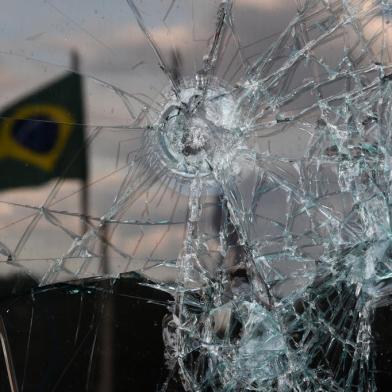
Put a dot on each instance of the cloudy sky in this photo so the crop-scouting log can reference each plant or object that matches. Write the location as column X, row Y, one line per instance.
column 36, row 39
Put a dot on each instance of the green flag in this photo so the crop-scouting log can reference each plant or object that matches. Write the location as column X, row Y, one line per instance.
column 42, row 135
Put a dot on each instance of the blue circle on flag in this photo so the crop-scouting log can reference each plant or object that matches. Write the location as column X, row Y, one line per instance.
column 38, row 133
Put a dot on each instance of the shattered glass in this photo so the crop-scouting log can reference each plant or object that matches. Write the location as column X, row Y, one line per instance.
column 247, row 175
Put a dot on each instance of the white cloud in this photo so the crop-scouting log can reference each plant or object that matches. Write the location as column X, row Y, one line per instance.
column 266, row 5
column 132, row 36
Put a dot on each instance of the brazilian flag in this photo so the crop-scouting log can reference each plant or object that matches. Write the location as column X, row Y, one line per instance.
column 42, row 135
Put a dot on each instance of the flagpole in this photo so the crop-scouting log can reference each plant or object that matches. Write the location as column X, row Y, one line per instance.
column 106, row 376
column 84, row 195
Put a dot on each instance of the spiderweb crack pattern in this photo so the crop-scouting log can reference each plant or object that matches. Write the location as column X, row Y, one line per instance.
column 285, row 256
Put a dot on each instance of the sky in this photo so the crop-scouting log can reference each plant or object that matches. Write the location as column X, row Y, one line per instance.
column 36, row 38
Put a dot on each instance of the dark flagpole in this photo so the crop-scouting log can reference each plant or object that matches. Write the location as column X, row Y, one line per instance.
column 84, row 195
column 107, row 319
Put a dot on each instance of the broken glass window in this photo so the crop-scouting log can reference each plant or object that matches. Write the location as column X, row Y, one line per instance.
column 247, row 174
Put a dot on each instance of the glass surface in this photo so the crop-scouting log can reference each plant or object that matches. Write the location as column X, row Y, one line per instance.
column 235, row 155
